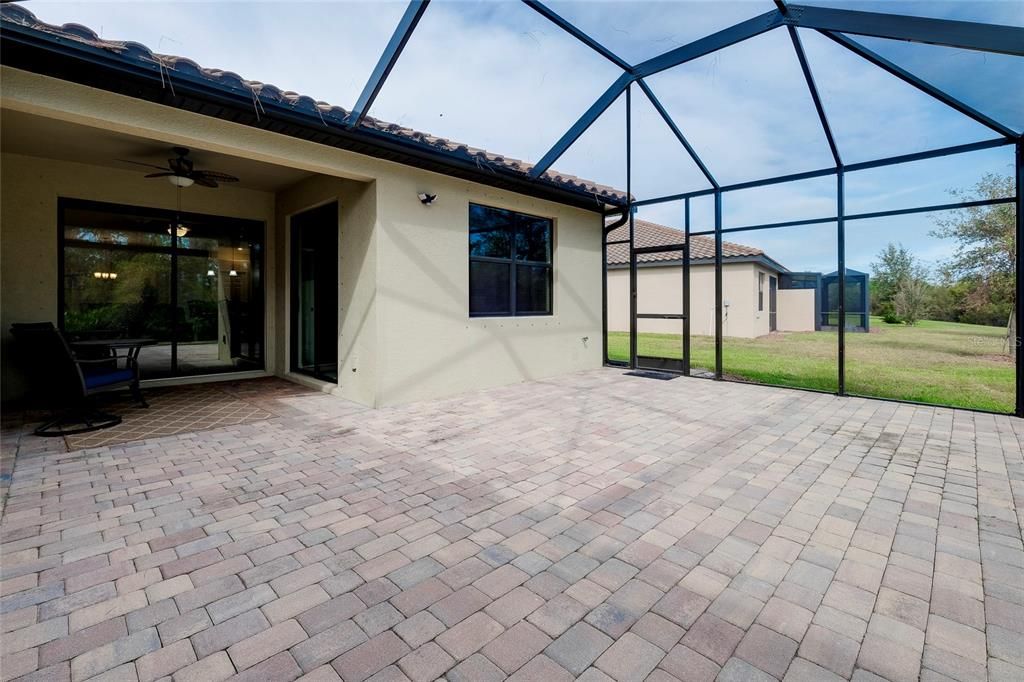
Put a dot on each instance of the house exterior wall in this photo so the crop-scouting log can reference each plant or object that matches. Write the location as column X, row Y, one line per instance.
column 796, row 310
column 30, row 187
column 406, row 330
column 428, row 343
column 659, row 290
column 357, row 279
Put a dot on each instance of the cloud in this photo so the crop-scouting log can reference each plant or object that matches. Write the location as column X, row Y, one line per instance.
column 497, row 75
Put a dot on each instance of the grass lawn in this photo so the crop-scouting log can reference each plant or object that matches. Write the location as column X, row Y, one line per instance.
column 945, row 363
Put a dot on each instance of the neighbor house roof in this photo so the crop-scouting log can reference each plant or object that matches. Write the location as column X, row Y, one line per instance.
column 81, row 44
column 702, row 248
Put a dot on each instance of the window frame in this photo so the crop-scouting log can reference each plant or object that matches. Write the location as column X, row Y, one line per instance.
column 760, row 291
column 513, row 262
column 256, row 229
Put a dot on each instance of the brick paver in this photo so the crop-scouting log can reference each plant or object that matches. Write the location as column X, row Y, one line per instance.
column 593, row 526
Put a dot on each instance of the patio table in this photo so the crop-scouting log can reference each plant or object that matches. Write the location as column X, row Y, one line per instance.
column 133, row 345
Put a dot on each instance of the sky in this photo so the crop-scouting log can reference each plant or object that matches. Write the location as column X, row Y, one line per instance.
column 496, row 75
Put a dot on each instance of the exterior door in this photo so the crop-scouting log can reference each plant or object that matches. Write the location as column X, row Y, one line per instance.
column 659, row 325
column 773, row 304
column 314, row 293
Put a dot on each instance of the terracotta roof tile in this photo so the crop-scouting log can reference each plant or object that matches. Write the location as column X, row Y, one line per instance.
column 325, row 113
column 651, row 234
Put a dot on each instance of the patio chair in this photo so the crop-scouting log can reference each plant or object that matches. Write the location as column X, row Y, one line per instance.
column 70, row 383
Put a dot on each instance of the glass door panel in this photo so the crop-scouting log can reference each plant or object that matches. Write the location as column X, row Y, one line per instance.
column 191, row 282
column 315, row 293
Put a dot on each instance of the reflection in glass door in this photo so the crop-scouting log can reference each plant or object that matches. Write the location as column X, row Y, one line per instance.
column 314, row 323
column 191, row 282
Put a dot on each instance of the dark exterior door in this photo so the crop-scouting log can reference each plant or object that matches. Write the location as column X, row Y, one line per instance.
column 773, row 304
column 314, row 293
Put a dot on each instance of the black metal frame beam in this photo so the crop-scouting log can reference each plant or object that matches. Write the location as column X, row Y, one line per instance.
column 719, row 309
column 678, row 133
column 825, row 172
column 578, row 34
column 932, row 208
column 967, row 35
column 919, row 83
column 388, row 59
column 830, row 22
column 1018, row 287
column 680, row 55
column 812, row 88
column 841, row 270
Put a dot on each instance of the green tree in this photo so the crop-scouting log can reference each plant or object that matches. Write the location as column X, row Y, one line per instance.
column 986, row 250
column 894, row 266
column 911, row 299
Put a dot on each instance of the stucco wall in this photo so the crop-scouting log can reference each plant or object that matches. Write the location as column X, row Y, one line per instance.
column 796, row 310
column 424, row 344
column 357, row 278
column 30, row 186
column 659, row 290
column 428, row 343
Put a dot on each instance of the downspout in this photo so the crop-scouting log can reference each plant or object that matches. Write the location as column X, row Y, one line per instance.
column 608, row 229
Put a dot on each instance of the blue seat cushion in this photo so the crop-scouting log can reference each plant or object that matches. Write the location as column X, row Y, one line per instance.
column 107, row 378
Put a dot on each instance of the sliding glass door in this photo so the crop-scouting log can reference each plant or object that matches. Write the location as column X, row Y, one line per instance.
column 314, row 286
column 191, row 282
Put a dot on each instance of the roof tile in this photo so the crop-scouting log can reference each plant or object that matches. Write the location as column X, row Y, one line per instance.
column 325, row 113
column 646, row 233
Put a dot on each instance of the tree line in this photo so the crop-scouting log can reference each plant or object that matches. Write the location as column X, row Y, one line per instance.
column 975, row 285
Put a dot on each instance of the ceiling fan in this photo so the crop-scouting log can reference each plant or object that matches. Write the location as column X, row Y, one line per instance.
column 181, row 172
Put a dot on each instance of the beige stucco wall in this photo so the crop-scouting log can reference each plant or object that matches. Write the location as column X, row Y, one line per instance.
column 29, row 188
column 428, row 343
column 411, row 334
column 357, row 278
column 796, row 310
column 659, row 290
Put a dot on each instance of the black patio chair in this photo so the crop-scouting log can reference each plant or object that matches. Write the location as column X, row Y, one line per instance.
column 69, row 383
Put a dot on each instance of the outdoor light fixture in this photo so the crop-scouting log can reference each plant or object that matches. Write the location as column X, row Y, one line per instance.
column 426, row 199
column 181, row 231
column 180, row 181
column 105, row 275
column 233, row 273
column 211, row 272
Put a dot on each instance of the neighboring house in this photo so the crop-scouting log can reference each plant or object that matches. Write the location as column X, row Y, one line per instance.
column 759, row 295
column 323, row 264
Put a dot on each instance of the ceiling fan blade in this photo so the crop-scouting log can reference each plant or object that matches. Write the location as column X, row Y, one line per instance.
column 160, row 175
column 217, row 175
column 139, row 163
column 202, row 180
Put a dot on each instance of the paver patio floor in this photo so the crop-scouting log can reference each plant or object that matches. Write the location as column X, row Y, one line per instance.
column 594, row 525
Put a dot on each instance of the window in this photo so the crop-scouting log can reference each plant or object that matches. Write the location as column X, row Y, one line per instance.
column 760, row 292
column 191, row 282
column 509, row 263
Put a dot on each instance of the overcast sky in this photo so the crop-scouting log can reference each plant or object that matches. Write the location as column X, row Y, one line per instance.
column 497, row 75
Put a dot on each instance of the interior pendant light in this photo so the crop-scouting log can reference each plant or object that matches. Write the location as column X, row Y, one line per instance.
column 177, row 229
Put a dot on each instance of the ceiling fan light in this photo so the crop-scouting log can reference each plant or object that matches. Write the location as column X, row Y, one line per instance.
column 180, row 181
